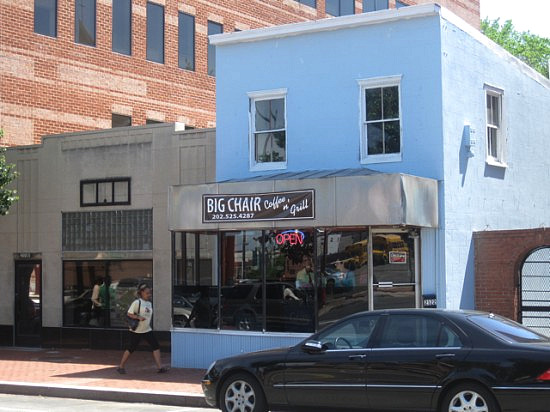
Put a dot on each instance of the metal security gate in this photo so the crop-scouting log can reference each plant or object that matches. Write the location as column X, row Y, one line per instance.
column 535, row 291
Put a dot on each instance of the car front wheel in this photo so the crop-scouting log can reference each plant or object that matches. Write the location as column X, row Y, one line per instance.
column 469, row 397
column 242, row 393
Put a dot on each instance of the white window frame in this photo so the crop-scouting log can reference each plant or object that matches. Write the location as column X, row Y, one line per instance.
column 364, row 84
column 499, row 160
column 253, row 97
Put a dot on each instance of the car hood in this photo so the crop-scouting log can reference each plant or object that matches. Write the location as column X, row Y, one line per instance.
column 254, row 359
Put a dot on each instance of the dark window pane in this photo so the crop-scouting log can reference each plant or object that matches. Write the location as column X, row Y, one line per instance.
column 186, row 41
column 392, row 141
column 391, row 102
column 213, row 28
column 374, row 104
column 270, row 114
column 119, row 120
column 151, row 121
column 332, row 7
column 122, row 26
column 374, row 138
column 340, row 7
column 85, row 24
column 507, row 329
column 373, row 5
column 405, row 331
column 399, row 4
column 310, row 3
column 270, row 147
column 45, row 17
column 155, row 33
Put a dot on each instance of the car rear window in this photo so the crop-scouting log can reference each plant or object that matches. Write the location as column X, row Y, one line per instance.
column 507, row 329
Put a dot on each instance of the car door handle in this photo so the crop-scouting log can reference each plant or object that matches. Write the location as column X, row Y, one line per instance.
column 352, row 357
column 444, row 355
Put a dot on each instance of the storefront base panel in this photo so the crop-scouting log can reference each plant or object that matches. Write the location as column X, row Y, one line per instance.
column 198, row 349
column 6, row 335
column 95, row 339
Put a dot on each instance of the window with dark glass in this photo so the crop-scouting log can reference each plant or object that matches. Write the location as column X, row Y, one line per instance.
column 340, row 7
column 120, row 120
column 45, row 17
column 399, row 4
column 186, row 41
column 195, row 289
column 122, row 26
column 382, row 122
column 155, row 33
column 310, row 3
column 85, row 22
column 152, row 121
column 105, row 192
column 353, row 334
column 406, row 331
column 269, row 129
column 213, row 28
column 373, row 5
column 112, row 284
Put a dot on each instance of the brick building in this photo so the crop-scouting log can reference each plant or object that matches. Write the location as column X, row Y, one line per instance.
column 74, row 65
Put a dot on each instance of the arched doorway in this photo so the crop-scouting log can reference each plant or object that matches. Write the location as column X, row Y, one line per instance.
column 535, row 290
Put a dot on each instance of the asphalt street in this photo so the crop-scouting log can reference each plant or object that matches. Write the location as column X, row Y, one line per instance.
column 19, row 403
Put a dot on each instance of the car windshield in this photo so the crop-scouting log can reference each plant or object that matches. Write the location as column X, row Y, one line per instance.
column 507, row 329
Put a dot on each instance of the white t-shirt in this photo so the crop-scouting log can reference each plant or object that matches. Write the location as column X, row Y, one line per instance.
column 145, row 311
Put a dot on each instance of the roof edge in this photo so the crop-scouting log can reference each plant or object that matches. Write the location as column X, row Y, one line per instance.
column 326, row 24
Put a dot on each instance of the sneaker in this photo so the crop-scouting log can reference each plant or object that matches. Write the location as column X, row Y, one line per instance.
column 122, row 371
column 162, row 370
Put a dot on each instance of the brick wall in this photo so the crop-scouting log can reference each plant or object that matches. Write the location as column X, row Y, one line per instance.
column 498, row 259
column 54, row 85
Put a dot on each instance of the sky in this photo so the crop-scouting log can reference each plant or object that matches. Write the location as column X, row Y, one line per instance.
column 532, row 15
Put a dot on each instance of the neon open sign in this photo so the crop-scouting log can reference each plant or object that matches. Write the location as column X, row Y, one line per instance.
column 292, row 237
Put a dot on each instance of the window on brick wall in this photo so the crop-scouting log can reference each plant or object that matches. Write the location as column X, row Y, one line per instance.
column 340, row 7
column 310, row 3
column 186, row 41
column 213, row 28
column 122, row 26
column 399, row 4
column 373, row 5
column 45, row 17
column 152, row 121
column 380, row 119
column 155, row 33
column 120, row 120
column 85, row 22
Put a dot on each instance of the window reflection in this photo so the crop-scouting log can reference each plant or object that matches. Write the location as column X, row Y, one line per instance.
column 343, row 268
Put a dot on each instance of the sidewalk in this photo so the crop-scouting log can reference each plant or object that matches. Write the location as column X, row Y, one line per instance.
column 91, row 374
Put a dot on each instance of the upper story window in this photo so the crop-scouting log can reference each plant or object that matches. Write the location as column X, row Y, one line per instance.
column 104, row 192
column 120, row 120
column 186, row 41
column 399, row 4
column 373, row 5
column 380, row 119
column 213, row 28
column 85, row 22
column 495, row 135
column 45, row 17
column 310, row 3
column 340, row 7
column 268, row 130
column 155, row 32
column 122, row 26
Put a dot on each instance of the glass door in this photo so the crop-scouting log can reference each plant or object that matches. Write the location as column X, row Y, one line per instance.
column 28, row 303
column 395, row 281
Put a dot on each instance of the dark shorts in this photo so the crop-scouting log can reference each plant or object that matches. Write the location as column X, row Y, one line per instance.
column 135, row 338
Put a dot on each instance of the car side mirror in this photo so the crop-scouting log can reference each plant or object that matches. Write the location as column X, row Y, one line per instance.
column 313, row 346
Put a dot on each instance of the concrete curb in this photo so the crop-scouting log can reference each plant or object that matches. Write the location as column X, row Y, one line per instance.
column 104, row 394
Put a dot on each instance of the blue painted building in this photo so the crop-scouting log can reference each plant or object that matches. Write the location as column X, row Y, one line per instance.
column 395, row 134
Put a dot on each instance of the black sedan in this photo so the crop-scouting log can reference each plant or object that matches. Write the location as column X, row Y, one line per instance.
column 409, row 360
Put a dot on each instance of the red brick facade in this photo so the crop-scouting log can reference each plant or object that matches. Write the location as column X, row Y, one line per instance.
column 498, row 259
column 51, row 85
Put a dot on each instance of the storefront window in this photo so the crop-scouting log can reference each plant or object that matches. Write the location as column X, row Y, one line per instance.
column 394, row 284
column 116, row 282
column 195, row 295
column 343, row 268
